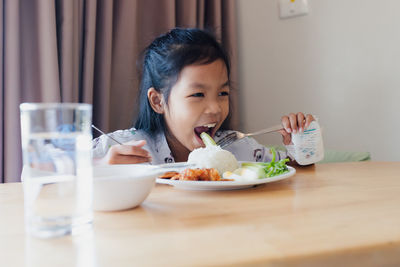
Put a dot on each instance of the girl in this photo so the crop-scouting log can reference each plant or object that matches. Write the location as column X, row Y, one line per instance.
column 184, row 91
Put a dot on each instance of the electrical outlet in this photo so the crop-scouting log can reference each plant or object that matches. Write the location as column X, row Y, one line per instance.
column 292, row 8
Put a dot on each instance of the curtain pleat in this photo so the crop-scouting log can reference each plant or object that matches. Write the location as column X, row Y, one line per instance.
column 88, row 51
column 229, row 41
column 45, row 61
column 103, row 64
column 186, row 14
column 123, row 89
column 11, row 90
column 1, row 95
column 69, row 48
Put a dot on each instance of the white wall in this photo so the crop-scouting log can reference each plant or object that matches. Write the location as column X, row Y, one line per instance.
column 340, row 62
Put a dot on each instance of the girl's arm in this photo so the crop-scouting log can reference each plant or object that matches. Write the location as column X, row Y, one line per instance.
column 129, row 153
column 107, row 151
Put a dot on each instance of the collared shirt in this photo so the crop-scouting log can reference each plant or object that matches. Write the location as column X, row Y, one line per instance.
column 246, row 149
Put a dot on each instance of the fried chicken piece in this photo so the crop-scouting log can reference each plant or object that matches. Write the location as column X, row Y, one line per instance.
column 176, row 177
column 199, row 175
column 213, row 174
column 168, row 175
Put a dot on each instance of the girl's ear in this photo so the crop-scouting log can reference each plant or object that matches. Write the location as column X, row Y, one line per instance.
column 156, row 100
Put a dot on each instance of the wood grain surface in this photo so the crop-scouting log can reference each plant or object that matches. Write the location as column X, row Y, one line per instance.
column 341, row 214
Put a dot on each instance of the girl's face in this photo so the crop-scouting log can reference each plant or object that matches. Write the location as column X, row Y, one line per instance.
column 198, row 102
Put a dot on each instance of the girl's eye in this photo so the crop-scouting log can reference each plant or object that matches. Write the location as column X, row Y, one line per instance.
column 224, row 93
column 198, row 95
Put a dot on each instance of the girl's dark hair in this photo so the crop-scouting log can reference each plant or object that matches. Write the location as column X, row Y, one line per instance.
column 164, row 59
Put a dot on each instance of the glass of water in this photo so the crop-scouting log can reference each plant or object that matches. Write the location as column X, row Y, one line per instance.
column 57, row 168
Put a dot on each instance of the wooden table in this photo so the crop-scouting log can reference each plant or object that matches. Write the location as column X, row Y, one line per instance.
column 345, row 214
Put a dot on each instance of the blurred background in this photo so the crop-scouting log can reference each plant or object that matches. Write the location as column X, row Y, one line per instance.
column 339, row 60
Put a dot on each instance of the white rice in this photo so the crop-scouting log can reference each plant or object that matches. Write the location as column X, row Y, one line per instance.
column 213, row 157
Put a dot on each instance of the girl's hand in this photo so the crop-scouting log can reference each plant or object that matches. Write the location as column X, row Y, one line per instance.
column 128, row 153
column 294, row 123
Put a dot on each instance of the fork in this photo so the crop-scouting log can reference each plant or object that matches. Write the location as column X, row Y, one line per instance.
column 235, row 136
column 109, row 136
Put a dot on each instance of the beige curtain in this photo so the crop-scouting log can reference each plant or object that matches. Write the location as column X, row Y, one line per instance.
column 86, row 51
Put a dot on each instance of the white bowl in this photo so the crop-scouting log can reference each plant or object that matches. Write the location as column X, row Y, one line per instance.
column 120, row 187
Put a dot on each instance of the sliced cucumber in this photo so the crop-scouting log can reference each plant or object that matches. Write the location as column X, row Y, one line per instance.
column 207, row 139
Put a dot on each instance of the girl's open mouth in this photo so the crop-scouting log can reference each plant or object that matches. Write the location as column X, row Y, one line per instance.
column 208, row 128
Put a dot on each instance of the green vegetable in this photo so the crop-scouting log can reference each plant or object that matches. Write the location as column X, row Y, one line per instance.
column 259, row 170
column 207, row 139
column 270, row 169
column 263, row 169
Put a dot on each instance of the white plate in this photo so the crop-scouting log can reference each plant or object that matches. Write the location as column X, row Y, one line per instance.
column 224, row 185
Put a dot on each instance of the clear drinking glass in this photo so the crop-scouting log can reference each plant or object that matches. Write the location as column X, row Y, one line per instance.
column 57, row 168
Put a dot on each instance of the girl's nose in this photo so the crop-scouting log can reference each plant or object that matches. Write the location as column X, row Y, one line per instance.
column 213, row 107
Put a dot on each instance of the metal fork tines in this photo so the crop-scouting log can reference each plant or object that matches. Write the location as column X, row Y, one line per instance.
column 235, row 136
